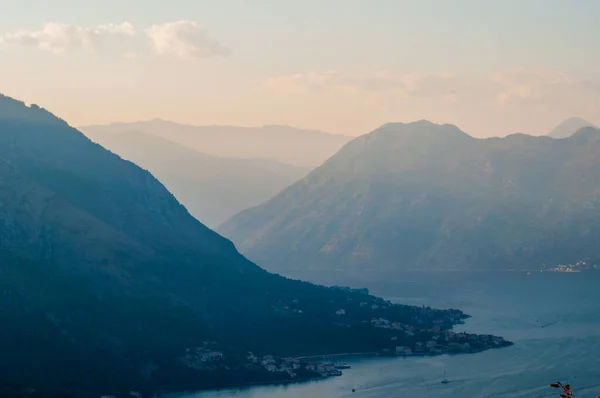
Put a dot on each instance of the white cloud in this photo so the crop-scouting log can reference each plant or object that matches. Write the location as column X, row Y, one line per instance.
column 184, row 39
column 59, row 38
column 530, row 86
column 398, row 85
column 501, row 89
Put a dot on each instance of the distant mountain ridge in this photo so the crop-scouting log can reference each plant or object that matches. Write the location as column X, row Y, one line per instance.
column 423, row 196
column 569, row 127
column 289, row 145
column 212, row 188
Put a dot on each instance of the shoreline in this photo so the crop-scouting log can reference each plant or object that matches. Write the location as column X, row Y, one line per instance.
column 174, row 390
column 455, row 344
column 342, row 355
column 164, row 392
column 434, row 338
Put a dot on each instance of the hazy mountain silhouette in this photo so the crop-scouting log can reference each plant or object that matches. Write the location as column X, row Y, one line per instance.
column 422, row 195
column 569, row 127
column 212, row 188
column 106, row 280
column 306, row 148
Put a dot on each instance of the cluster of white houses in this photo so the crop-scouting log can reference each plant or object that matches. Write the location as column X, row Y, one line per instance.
column 292, row 366
column 200, row 356
column 271, row 363
column 449, row 341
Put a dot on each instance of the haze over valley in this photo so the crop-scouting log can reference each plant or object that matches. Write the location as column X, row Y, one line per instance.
column 212, row 188
column 284, row 144
column 225, row 199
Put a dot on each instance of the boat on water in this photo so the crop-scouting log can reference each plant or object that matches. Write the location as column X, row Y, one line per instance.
column 445, row 380
column 341, row 365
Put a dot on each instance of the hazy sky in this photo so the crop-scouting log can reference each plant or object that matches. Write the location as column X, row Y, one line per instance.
column 344, row 66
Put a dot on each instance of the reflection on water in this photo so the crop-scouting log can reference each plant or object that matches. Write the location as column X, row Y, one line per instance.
column 554, row 319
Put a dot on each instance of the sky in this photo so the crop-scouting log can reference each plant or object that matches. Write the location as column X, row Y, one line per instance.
column 343, row 66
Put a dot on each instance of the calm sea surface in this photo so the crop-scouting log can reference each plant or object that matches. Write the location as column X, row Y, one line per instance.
column 553, row 318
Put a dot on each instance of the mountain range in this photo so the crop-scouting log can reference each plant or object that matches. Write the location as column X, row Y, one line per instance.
column 569, row 127
column 284, row 144
column 427, row 196
column 212, row 188
column 107, row 283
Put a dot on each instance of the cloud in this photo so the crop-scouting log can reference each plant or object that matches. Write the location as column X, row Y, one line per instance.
column 60, row 38
column 502, row 89
column 399, row 86
column 184, row 39
column 518, row 87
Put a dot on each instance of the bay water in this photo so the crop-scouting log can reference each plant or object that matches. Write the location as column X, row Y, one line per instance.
column 553, row 319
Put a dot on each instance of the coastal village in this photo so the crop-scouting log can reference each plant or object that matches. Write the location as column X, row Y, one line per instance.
column 580, row 266
column 389, row 329
column 429, row 334
column 438, row 343
column 290, row 369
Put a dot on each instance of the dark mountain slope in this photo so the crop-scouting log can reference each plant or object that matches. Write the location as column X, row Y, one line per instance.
column 421, row 195
column 106, row 280
column 212, row 188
